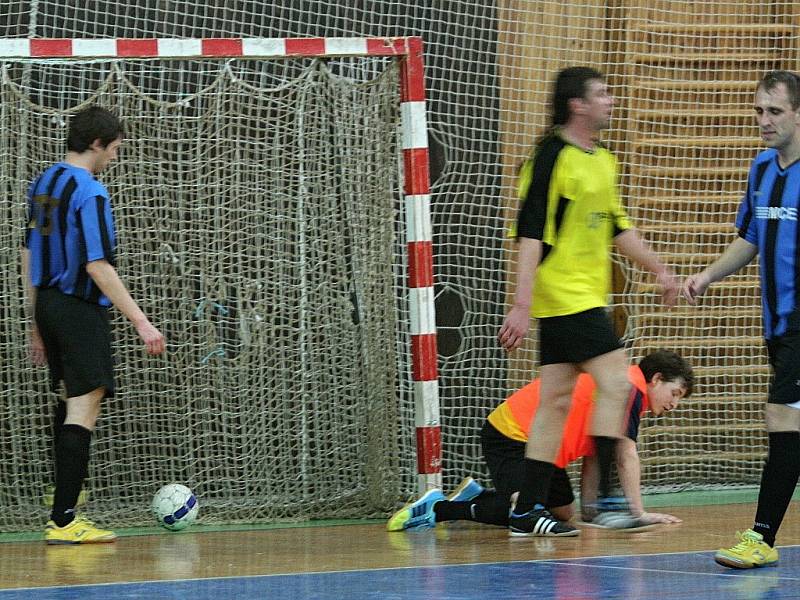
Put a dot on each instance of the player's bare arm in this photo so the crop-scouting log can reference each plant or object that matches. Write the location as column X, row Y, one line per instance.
column 630, row 475
column 106, row 278
column 35, row 343
column 632, row 246
column 738, row 254
column 517, row 322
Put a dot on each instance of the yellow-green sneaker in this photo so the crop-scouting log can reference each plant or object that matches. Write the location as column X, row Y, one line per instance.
column 751, row 551
column 50, row 493
column 417, row 514
column 80, row 531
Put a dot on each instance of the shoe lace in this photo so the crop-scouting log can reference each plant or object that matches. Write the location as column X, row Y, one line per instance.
column 84, row 521
column 746, row 541
column 547, row 515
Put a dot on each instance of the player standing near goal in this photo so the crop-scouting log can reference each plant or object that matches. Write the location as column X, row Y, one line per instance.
column 656, row 384
column 570, row 216
column 767, row 224
column 68, row 264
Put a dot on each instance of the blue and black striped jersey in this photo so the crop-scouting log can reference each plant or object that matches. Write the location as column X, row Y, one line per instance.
column 69, row 225
column 767, row 218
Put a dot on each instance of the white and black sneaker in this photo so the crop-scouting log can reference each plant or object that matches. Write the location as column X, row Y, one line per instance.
column 539, row 523
column 613, row 513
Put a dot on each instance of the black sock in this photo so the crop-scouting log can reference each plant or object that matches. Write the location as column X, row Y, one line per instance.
column 535, row 485
column 487, row 508
column 491, row 509
column 72, row 461
column 604, row 449
column 59, row 415
column 778, row 480
column 453, row 511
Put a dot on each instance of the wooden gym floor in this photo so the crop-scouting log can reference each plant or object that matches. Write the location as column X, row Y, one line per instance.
column 364, row 561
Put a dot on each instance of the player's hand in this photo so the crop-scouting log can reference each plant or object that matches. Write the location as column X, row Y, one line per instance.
column 670, row 287
column 515, row 328
column 36, row 348
column 659, row 518
column 694, row 287
column 152, row 338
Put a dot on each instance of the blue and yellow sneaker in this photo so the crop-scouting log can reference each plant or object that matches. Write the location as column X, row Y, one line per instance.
column 418, row 514
column 467, row 490
column 80, row 531
column 751, row 551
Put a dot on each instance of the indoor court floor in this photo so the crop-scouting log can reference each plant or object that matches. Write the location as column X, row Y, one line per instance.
column 459, row 561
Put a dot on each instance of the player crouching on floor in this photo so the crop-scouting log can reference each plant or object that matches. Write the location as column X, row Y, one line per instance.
column 658, row 383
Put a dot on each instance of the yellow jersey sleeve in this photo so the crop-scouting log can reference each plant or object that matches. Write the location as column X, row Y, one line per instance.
column 619, row 216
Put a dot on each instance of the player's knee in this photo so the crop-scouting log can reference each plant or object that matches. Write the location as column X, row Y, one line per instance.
column 614, row 387
column 562, row 403
column 563, row 513
column 84, row 410
column 782, row 417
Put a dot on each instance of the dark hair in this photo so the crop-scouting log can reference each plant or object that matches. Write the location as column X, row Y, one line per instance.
column 670, row 365
column 90, row 124
column 570, row 83
column 787, row 78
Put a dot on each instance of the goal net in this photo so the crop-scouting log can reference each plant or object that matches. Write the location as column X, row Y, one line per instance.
column 683, row 74
column 260, row 220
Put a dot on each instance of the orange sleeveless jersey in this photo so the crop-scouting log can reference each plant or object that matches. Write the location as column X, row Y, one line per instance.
column 514, row 416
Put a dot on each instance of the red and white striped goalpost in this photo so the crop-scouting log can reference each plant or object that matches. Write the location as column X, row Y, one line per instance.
column 416, row 185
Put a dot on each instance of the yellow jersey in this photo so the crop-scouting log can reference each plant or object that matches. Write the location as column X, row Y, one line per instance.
column 570, row 202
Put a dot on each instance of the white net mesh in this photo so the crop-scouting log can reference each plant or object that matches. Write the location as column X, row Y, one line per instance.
column 259, row 216
column 684, row 75
column 689, row 74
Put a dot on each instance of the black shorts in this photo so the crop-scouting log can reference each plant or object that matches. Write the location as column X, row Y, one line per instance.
column 506, row 461
column 77, row 340
column 576, row 338
column 784, row 356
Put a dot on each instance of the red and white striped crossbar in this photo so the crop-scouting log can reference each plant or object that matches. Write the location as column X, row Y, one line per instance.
column 416, row 186
column 208, row 47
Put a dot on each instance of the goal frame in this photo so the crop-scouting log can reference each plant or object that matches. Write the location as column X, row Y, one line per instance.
column 415, row 163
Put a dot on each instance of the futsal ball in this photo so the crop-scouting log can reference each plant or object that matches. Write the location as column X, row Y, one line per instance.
column 175, row 507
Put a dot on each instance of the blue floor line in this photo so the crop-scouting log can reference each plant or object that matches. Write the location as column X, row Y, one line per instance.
column 671, row 576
